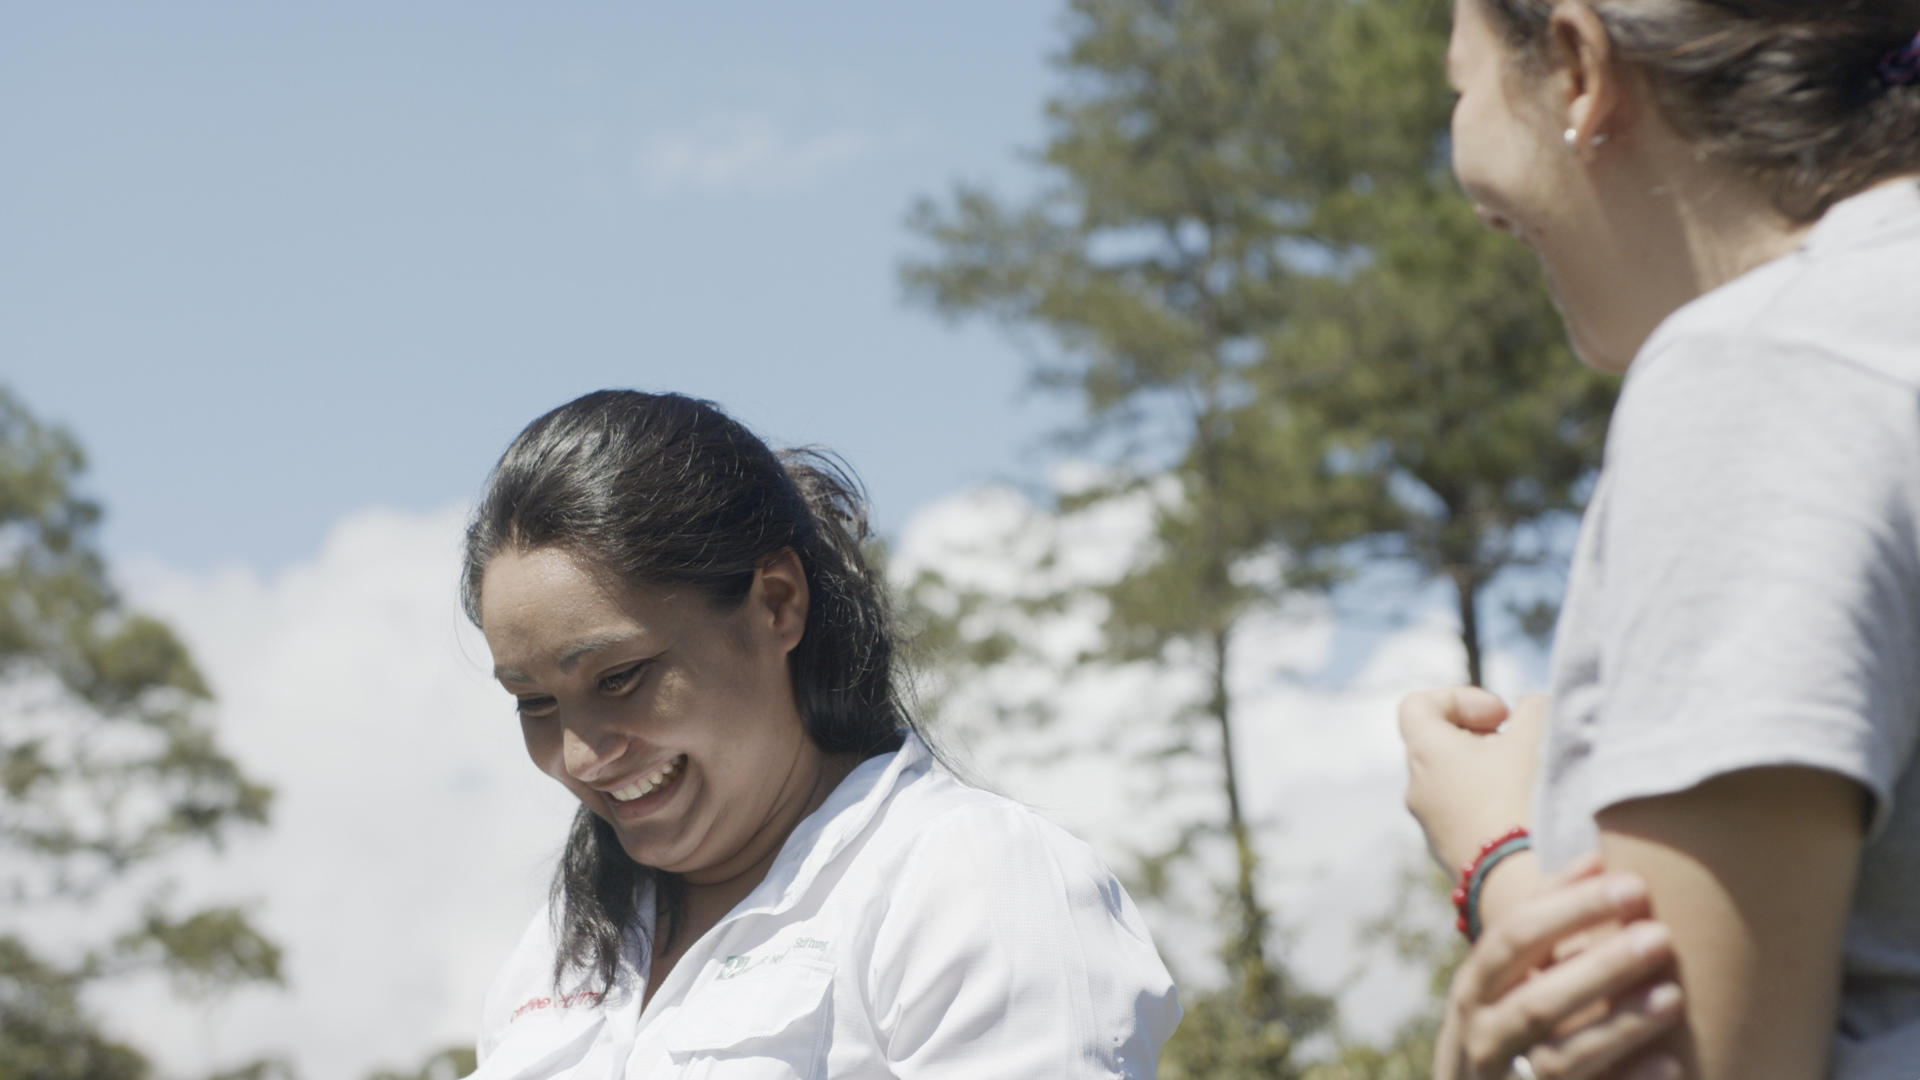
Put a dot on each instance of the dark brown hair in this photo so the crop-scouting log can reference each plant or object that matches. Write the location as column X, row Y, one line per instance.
column 668, row 490
column 1789, row 92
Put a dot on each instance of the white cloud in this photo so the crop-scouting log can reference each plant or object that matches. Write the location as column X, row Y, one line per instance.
column 741, row 152
column 1320, row 768
column 412, row 840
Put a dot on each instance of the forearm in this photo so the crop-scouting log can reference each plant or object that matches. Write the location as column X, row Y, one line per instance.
column 1508, row 885
column 1753, row 873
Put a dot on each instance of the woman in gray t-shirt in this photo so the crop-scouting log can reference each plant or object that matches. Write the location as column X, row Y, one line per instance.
column 1723, row 194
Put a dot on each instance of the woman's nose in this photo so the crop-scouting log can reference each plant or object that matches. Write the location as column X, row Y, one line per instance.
column 586, row 754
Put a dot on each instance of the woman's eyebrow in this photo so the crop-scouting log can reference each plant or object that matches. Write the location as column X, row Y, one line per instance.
column 570, row 655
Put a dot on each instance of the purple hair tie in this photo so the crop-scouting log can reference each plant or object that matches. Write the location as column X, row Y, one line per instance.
column 1901, row 67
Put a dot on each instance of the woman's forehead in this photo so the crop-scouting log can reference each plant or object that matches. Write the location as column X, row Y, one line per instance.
column 552, row 602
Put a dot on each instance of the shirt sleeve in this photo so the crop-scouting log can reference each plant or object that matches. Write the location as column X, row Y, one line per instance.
column 525, row 976
column 1761, row 591
column 1008, row 950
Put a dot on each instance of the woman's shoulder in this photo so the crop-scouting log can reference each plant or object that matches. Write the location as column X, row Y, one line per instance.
column 1846, row 305
column 524, row 991
column 1772, row 373
column 984, row 910
column 939, row 812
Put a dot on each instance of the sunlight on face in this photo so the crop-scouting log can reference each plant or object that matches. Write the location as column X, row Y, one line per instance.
column 1512, row 162
column 672, row 721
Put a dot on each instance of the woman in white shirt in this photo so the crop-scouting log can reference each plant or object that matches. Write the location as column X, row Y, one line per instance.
column 1724, row 195
column 767, row 877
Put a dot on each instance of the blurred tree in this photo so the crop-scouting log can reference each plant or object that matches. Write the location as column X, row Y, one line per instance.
column 1250, row 265
column 1418, row 930
column 448, row 1064
column 1163, row 253
column 106, row 767
column 1431, row 346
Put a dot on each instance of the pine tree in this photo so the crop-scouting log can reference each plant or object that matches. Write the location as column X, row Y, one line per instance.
column 1431, row 346
column 1156, row 264
column 1251, row 267
column 107, row 766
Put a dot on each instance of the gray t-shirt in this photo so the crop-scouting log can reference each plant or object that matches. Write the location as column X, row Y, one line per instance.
column 1746, row 588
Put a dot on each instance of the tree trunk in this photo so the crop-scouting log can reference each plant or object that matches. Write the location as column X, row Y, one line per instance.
column 1246, row 950
column 1467, row 585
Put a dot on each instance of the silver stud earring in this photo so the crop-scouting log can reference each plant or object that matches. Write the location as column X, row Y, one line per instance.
column 1572, row 138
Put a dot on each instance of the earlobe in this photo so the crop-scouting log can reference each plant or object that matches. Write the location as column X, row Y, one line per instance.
column 1593, row 78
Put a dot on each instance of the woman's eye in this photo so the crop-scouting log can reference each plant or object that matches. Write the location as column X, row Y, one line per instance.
column 534, row 708
column 621, row 680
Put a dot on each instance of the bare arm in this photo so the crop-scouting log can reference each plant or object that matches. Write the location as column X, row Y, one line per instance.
column 1753, row 872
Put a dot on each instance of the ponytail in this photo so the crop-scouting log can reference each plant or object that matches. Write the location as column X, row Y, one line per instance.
column 1804, row 99
column 843, row 668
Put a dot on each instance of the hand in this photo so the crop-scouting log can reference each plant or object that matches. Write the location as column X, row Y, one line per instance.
column 1591, row 1014
column 1469, row 779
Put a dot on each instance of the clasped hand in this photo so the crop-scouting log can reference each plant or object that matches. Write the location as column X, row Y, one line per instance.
column 1570, row 973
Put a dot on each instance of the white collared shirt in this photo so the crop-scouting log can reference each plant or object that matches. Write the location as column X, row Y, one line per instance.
column 911, row 927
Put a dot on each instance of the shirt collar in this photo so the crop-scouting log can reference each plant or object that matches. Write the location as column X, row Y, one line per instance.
column 819, row 838
column 822, row 835
column 1886, row 211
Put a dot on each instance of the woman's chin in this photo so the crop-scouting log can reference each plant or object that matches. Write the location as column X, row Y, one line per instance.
column 1596, row 354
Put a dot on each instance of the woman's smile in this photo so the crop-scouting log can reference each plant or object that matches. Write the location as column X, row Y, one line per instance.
column 670, row 717
column 643, row 797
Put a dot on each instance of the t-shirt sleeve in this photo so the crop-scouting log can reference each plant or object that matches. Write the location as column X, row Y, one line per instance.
column 1761, row 599
column 1008, row 950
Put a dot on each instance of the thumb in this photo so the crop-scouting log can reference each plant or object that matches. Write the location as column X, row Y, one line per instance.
column 1474, row 709
column 1452, row 709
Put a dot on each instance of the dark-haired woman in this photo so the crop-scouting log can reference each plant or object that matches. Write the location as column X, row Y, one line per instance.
column 767, row 877
column 1723, row 193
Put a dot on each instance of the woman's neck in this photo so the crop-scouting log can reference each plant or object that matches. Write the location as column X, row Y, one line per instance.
column 1729, row 232
column 709, row 897
column 1698, row 229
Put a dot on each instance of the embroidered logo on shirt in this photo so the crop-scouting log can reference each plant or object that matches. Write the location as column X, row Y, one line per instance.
column 564, row 1001
column 737, row 965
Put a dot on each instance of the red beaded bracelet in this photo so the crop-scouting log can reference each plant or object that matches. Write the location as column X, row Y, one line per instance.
column 1466, row 895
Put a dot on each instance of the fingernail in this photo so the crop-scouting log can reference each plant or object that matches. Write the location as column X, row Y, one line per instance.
column 1626, row 890
column 1648, row 938
column 1660, row 1068
column 1663, row 997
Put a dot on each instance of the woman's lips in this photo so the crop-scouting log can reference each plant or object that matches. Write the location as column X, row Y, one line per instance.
column 648, row 793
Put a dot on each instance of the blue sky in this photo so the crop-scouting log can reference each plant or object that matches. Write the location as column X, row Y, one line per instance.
column 294, row 274
column 273, row 263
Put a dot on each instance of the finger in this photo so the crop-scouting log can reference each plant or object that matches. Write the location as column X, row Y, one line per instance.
column 1597, row 1049
column 1524, row 938
column 1537, row 1008
column 1467, row 707
column 1585, row 866
column 1574, row 944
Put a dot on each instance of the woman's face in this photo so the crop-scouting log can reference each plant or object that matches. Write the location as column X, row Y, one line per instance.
column 1511, row 159
column 672, row 721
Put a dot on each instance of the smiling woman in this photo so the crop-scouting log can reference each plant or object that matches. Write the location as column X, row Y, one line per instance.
column 768, row 876
column 1726, row 197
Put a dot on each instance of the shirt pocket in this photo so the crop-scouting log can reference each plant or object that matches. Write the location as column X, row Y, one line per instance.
column 773, row 1023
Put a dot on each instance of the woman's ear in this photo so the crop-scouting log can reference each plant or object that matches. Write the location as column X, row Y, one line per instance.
column 779, row 598
column 1592, row 79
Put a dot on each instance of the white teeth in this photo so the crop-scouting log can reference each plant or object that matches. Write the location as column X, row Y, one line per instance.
column 647, row 786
